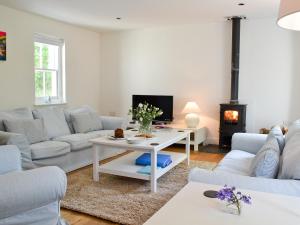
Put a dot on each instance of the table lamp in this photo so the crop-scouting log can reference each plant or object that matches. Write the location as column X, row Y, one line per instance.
column 289, row 14
column 192, row 118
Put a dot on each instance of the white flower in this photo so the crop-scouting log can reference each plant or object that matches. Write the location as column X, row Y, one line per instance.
column 141, row 119
column 140, row 105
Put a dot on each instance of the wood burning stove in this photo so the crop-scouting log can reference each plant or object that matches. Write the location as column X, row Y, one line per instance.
column 232, row 120
column 233, row 114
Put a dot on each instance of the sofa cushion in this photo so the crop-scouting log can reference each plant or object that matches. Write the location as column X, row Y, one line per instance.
column 80, row 109
column 34, row 130
column 19, row 113
column 86, row 122
column 100, row 133
column 290, row 166
column 81, row 141
column 277, row 133
column 48, row 149
column 55, row 121
column 236, row 162
column 77, row 141
column 266, row 162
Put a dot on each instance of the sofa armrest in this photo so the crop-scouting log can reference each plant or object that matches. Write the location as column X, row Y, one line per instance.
column 286, row 187
column 26, row 190
column 113, row 122
column 19, row 140
column 10, row 159
column 248, row 142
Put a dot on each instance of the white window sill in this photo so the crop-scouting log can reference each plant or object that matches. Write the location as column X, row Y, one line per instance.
column 48, row 104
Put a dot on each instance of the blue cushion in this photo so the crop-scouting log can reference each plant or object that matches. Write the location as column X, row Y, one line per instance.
column 162, row 160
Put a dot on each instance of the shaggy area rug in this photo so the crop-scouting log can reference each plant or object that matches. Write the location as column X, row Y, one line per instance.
column 124, row 200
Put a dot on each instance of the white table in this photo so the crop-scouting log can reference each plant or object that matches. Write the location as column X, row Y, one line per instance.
column 199, row 134
column 190, row 207
column 125, row 165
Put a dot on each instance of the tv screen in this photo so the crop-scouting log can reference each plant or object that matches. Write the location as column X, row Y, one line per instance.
column 164, row 102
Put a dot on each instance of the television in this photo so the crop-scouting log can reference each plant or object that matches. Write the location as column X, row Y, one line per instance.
column 164, row 102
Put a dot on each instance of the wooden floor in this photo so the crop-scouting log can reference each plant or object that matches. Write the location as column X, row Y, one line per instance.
column 75, row 218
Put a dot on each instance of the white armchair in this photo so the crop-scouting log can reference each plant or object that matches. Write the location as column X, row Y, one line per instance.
column 29, row 197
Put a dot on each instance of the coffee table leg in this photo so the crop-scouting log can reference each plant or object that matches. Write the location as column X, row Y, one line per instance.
column 95, row 162
column 187, row 147
column 153, row 171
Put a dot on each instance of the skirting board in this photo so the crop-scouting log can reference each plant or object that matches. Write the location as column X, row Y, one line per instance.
column 212, row 141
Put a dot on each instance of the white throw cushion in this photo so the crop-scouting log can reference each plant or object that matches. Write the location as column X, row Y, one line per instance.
column 266, row 161
column 55, row 121
column 292, row 129
column 86, row 122
column 290, row 168
column 81, row 109
column 19, row 113
column 277, row 133
column 34, row 130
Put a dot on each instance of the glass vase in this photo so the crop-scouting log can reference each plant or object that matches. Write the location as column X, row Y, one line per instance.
column 145, row 128
column 233, row 208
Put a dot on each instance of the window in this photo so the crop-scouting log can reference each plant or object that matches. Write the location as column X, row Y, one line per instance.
column 48, row 70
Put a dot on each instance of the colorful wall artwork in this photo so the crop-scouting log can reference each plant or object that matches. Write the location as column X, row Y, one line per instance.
column 2, row 46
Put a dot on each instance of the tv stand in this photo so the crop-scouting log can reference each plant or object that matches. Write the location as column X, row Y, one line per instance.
column 161, row 122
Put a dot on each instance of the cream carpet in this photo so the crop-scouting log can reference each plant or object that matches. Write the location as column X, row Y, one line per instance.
column 124, row 200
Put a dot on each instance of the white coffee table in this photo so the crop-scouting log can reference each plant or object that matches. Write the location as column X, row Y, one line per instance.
column 125, row 165
column 190, row 207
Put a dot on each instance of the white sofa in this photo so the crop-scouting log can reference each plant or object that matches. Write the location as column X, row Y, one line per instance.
column 234, row 169
column 64, row 148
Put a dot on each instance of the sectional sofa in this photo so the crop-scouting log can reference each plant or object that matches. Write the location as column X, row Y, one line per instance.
column 236, row 167
column 58, row 144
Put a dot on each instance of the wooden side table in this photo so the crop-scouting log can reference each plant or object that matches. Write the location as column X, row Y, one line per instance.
column 198, row 135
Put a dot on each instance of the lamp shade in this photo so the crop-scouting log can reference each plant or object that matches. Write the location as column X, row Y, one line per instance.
column 191, row 107
column 289, row 14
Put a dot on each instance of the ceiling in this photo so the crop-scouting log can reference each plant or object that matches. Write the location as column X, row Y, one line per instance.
column 101, row 15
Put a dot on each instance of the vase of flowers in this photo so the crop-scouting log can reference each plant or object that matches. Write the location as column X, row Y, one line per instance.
column 145, row 114
column 233, row 199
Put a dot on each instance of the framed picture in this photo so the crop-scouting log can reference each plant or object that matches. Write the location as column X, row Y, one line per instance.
column 2, row 46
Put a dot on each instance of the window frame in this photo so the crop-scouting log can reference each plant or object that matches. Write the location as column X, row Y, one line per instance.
column 61, row 97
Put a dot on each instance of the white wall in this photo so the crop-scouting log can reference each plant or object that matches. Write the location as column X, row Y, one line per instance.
column 17, row 73
column 192, row 62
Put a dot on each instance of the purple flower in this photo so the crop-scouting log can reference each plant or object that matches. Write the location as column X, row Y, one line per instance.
column 246, row 199
column 228, row 194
